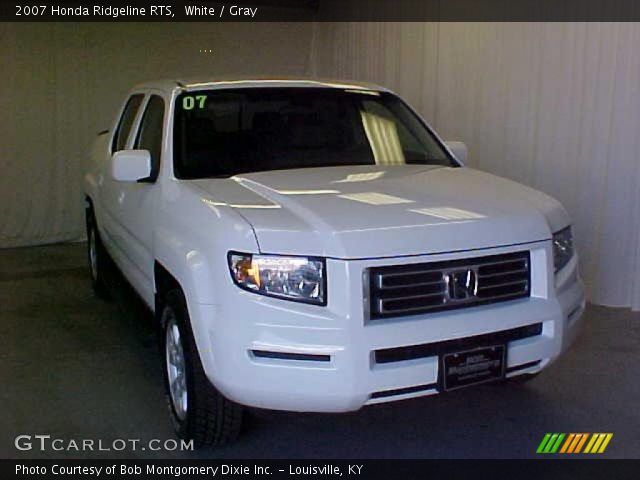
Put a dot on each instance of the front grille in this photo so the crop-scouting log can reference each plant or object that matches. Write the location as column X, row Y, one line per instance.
column 401, row 290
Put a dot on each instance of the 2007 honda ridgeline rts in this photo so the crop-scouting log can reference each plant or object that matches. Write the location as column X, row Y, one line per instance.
column 314, row 246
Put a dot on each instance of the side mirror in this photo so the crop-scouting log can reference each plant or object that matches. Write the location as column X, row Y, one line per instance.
column 131, row 165
column 458, row 149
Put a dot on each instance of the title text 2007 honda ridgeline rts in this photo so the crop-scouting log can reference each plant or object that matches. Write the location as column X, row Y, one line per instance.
column 314, row 246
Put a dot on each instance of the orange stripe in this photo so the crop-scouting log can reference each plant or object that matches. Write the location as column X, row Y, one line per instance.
column 567, row 442
column 574, row 443
column 584, row 439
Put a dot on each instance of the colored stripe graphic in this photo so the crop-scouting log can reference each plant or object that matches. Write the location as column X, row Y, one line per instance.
column 598, row 443
column 598, row 437
column 550, row 443
column 574, row 442
column 567, row 443
column 605, row 442
column 543, row 443
column 581, row 442
column 591, row 442
column 556, row 445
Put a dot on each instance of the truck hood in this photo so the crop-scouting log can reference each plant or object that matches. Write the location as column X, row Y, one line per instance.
column 375, row 211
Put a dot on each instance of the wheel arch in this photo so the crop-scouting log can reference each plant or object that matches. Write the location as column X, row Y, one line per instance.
column 164, row 282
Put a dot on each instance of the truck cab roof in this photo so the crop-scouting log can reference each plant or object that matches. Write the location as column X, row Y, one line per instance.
column 256, row 82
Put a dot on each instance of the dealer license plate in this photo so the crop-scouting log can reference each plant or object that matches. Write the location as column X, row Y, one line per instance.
column 471, row 367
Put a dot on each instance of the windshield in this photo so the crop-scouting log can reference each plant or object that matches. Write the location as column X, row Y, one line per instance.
column 219, row 133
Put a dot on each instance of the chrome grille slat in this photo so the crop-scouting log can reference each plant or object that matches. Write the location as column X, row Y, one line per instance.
column 399, row 290
column 409, row 297
column 500, row 274
column 419, row 278
column 507, row 296
column 408, row 310
column 409, row 273
column 502, row 262
column 498, row 285
column 423, row 301
column 410, row 285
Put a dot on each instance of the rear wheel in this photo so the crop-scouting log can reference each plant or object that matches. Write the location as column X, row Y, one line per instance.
column 97, row 256
column 198, row 410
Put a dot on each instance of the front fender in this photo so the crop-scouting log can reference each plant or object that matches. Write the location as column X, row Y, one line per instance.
column 193, row 246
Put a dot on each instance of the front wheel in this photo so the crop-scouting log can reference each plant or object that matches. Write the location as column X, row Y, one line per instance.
column 198, row 410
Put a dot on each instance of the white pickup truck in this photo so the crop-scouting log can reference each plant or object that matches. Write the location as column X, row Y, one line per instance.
column 314, row 246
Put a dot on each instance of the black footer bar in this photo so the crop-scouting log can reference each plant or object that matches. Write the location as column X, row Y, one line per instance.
column 542, row 469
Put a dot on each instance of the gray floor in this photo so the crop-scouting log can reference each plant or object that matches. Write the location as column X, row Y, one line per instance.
column 76, row 367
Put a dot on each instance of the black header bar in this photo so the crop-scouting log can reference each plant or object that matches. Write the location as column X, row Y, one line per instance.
column 321, row 10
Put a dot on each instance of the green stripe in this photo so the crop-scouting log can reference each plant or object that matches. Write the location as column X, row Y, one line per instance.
column 543, row 443
column 558, row 442
column 550, row 443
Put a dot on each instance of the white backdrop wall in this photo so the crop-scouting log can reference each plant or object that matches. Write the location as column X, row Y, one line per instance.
column 62, row 83
column 552, row 105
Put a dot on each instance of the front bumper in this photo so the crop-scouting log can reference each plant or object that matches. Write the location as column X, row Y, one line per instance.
column 275, row 354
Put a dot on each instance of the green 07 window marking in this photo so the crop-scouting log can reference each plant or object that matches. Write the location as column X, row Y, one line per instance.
column 189, row 102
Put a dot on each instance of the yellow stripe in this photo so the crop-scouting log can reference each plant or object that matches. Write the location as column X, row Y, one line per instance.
column 574, row 443
column 605, row 443
column 596, row 445
column 567, row 442
column 591, row 442
column 582, row 440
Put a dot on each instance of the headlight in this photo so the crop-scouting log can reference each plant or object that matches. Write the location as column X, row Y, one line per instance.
column 293, row 278
column 562, row 248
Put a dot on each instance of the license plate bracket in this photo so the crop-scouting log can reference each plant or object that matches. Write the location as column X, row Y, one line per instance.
column 472, row 367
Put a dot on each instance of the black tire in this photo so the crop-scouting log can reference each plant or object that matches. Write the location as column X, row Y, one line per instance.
column 97, row 257
column 206, row 416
